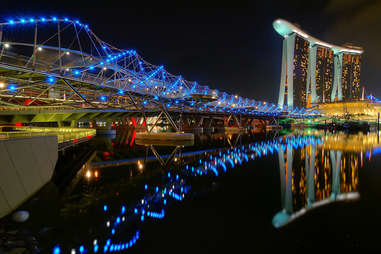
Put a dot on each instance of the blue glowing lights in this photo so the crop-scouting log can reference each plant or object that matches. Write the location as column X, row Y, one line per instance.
column 56, row 249
column 175, row 187
column 51, row 79
column 12, row 88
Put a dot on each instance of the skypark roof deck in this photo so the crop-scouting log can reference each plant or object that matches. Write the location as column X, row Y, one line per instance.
column 286, row 28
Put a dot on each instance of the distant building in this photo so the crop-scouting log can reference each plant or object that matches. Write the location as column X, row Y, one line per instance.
column 314, row 71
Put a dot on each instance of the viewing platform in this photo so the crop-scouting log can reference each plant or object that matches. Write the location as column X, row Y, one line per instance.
column 164, row 138
column 66, row 136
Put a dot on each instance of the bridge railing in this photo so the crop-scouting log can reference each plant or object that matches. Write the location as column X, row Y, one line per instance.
column 64, row 134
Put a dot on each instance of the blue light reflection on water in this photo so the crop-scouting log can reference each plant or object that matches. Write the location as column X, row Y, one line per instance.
column 175, row 189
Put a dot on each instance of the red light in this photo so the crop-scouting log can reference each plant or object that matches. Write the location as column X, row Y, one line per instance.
column 75, row 141
column 144, row 121
column 133, row 121
column 106, row 155
column 133, row 138
column 18, row 124
column 27, row 102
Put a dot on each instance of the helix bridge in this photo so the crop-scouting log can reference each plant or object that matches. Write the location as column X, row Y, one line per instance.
column 122, row 226
column 58, row 64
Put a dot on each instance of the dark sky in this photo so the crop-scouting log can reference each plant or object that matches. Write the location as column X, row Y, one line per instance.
column 231, row 49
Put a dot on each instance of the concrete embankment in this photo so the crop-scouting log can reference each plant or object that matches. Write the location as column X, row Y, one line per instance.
column 26, row 165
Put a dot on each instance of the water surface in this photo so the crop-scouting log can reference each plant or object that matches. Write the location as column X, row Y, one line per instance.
column 302, row 190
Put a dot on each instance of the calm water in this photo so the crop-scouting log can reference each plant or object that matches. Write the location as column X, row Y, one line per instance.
column 303, row 190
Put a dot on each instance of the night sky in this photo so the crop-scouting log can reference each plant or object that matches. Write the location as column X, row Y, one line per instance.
column 232, row 49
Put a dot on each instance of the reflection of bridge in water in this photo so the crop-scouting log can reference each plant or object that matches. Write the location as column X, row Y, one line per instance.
column 127, row 137
column 311, row 176
column 177, row 184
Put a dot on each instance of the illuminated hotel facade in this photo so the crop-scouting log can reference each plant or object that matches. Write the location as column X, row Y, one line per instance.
column 314, row 71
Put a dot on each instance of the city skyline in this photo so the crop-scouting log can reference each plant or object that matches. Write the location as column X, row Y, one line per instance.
column 237, row 42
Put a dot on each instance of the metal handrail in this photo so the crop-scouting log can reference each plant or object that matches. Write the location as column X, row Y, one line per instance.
column 63, row 134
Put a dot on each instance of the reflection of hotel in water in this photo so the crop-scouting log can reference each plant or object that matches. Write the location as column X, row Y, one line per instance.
column 332, row 173
column 313, row 176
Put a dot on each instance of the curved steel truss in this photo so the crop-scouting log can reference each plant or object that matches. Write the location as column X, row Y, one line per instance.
column 53, row 62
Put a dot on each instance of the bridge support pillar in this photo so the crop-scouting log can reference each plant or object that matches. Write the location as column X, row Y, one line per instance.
column 73, row 123
column 172, row 122
column 237, row 123
column 208, row 125
column 170, row 119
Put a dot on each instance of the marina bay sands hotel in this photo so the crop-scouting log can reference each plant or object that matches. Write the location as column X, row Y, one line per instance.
column 314, row 71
